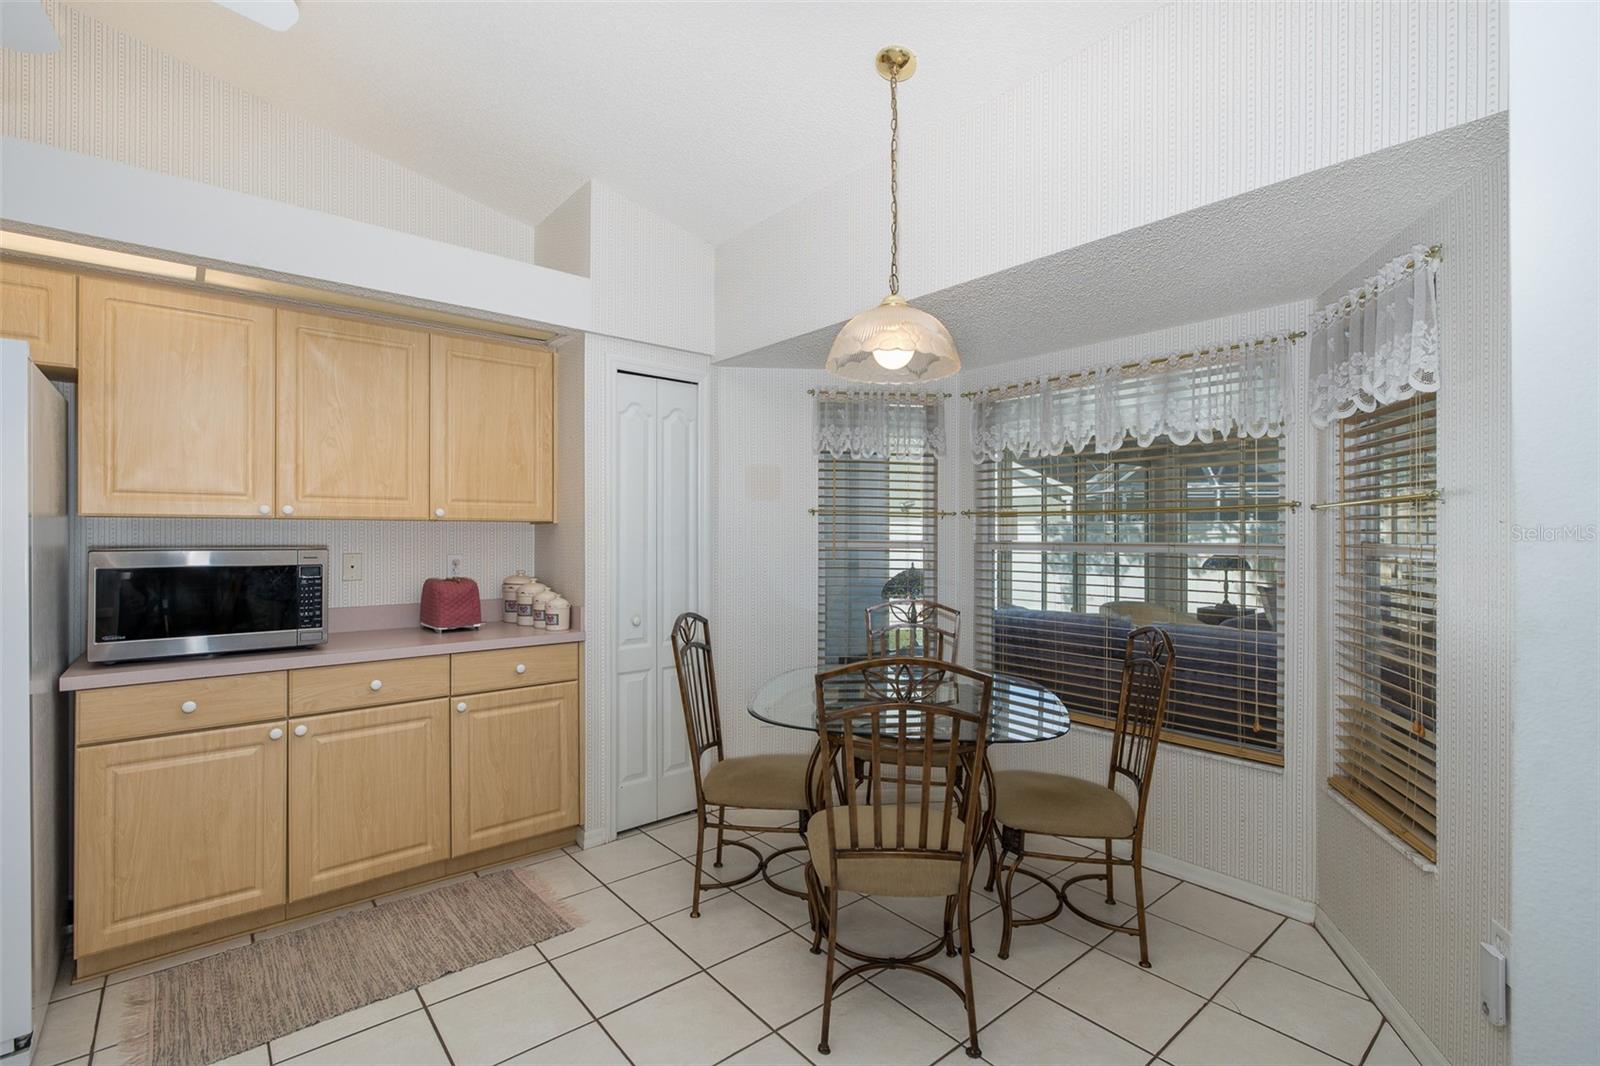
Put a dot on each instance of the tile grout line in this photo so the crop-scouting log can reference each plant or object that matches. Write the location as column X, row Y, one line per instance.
column 1218, row 990
column 432, row 1024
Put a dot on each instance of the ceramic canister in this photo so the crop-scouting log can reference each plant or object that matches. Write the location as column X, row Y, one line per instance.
column 508, row 595
column 541, row 608
column 525, row 595
column 558, row 615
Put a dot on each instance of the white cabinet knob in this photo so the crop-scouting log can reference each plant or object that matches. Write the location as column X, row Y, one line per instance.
column 276, row 734
column 299, row 730
column 288, row 509
column 637, row 621
column 438, row 512
column 521, row 669
column 264, row 509
column 376, row 685
column 189, row 707
column 461, row 708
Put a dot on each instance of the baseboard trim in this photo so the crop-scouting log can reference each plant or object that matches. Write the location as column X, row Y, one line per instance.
column 593, row 837
column 1405, row 1026
column 1276, row 902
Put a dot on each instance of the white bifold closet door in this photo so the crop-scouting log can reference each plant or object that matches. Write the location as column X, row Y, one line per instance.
column 657, row 525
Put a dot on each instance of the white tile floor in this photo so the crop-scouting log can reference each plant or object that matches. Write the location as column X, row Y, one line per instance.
column 642, row 982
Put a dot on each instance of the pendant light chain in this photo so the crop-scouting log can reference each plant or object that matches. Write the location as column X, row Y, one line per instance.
column 894, row 185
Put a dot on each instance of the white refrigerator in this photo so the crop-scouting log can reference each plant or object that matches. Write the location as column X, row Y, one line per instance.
column 34, row 752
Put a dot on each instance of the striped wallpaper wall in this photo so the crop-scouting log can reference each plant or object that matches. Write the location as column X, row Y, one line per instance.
column 1419, row 930
column 107, row 94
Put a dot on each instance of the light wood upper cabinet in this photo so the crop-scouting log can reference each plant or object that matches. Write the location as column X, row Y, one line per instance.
column 369, row 794
column 493, row 431
column 40, row 306
column 516, row 765
column 175, row 399
column 352, row 418
column 177, row 832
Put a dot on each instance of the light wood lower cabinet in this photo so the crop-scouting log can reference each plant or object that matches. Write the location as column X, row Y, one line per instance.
column 218, row 827
column 178, row 832
column 368, row 795
column 516, row 765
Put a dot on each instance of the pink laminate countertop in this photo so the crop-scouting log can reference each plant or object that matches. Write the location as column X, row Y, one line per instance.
column 355, row 646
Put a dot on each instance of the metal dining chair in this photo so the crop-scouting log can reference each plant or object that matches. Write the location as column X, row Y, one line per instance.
column 911, row 627
column 887, row 843
column 752, row 782
column 1055, row 805
column 923, row 628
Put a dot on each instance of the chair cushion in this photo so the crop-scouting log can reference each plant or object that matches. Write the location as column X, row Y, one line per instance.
column 1065, row 806
column 769, row 782
column 888, row 873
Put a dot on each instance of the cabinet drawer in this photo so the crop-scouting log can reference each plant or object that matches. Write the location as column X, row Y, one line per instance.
column 179, row 706
column 338, row 688
column 486, row 671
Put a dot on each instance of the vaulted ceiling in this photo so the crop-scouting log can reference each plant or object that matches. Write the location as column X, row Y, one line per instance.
column 712, row 115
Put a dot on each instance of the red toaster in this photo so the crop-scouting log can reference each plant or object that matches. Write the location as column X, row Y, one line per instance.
column 451, row 603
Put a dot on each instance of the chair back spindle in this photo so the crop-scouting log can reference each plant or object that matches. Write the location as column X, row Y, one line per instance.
column 1147, row 667
column 697, row 687
column 920, row 628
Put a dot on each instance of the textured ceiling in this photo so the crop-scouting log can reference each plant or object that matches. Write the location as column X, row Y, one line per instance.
column 1284, row 242
column 712, row 115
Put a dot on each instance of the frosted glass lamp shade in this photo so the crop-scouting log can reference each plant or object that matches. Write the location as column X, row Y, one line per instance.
column 893, row 344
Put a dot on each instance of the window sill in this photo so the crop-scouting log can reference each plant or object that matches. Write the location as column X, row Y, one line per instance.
column 1418, row 860
column 1170, row 745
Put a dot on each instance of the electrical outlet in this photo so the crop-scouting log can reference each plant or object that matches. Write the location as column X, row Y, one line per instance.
column 455, row 565
column 352, row 567
column 1500, row 937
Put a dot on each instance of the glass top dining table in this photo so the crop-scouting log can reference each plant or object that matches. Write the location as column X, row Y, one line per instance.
column 1020, row 711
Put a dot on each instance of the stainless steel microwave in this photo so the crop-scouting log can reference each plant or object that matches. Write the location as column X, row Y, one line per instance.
column 147, row 603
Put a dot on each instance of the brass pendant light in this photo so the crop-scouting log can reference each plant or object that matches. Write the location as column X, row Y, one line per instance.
column 894, row 343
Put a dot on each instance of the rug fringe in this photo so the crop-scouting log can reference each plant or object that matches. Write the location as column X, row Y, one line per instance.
column 135, row 1026
column 535, row 884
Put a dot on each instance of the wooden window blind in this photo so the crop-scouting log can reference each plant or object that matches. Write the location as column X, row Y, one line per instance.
column 1385, row 613
column 877, row 539
column 1075, row 550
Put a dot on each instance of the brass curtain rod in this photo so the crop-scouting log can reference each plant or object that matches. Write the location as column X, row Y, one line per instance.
column 925, row 397
column 1405, row 497
column 1061, row 512
column 1056, row 379
column 867, row 512
column 1434, row 251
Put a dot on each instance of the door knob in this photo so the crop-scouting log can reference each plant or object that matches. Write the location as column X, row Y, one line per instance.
column 276, row 734
column 461, row 708
column 288, row 509
column 637, row 621
column 189, row 707
column 264, row 509
column 376, row 685
column 438, row 512
column 521, row 669
column 299, row 730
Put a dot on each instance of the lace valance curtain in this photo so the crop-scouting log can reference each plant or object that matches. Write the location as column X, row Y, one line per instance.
column 1200, row 397
column 1380, row 343
column 879, row 424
